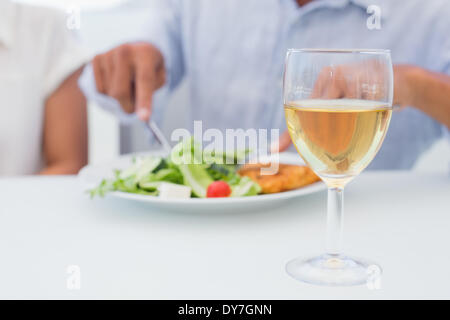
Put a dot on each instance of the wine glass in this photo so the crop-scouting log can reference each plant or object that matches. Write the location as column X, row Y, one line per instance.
column 338, row 105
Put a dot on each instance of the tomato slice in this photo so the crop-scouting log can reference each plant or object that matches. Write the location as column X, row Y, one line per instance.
column 218, row 189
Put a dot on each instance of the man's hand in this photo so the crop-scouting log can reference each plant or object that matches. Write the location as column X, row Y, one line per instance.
column 131, row 73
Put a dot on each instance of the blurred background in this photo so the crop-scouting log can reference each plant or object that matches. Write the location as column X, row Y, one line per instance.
column 107, row 23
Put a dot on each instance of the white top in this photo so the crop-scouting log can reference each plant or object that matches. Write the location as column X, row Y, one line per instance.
column 37, row 53
column 130, row 250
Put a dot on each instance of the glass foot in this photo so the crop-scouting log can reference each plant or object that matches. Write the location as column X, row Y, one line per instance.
column 333, row 270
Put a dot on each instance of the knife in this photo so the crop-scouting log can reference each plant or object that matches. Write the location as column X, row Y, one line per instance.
column 153, row 129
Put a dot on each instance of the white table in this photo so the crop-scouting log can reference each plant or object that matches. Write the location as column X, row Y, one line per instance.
column 127, row 250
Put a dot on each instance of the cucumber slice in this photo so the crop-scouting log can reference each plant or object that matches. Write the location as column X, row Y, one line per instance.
column 147, row 167
column 141, row 168
column 150, row 186
column 196, row 177
column 246, row 187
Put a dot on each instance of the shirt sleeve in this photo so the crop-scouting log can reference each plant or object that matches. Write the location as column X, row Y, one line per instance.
column 443, row 61
column 439, row 49
column 63, row 55
column 439, row 46
column 162, row 28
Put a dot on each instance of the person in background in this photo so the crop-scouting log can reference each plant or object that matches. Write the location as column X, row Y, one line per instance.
column 233, row 53
column 43, row 126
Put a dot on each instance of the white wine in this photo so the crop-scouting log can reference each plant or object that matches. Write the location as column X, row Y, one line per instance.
column 337, row 138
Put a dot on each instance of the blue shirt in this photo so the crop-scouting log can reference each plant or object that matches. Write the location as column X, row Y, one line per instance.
column 233, row 54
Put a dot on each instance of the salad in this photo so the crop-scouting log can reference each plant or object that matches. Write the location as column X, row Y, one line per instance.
column 186, row 172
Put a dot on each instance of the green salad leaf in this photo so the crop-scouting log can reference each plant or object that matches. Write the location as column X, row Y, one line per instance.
column 245, row 187
column 186, row 165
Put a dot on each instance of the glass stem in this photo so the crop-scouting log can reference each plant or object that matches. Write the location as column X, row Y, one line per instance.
column 335, row 220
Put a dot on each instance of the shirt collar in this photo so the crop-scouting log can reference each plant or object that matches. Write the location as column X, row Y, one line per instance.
column 6, row 23
column 363, row 4
column 383, row 5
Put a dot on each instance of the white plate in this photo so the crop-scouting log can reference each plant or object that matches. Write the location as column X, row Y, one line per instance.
column 90, row 176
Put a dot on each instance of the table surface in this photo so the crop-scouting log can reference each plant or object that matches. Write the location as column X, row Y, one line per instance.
column 128, row 250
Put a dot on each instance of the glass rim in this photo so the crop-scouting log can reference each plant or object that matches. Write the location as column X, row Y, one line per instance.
column 325, row 50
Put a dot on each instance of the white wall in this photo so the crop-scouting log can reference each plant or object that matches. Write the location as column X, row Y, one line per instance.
column 103, row 135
